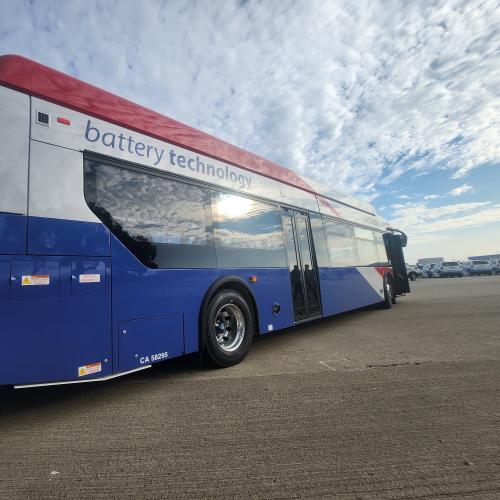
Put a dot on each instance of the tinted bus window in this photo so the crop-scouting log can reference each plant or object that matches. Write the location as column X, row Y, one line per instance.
column 247, row 233
column 164, row 223
column 319, row 240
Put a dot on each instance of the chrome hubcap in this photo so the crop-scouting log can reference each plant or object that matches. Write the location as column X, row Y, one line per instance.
column 229, row 327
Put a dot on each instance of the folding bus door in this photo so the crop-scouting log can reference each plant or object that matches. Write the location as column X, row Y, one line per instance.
column 302, row 264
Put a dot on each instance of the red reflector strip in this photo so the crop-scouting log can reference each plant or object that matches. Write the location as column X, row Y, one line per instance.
column 64, row 121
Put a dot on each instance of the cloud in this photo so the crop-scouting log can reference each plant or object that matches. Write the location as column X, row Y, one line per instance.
column 479, row 218
column 466, row 188
column 431, row 197
column 420, row 221
column 351, row 94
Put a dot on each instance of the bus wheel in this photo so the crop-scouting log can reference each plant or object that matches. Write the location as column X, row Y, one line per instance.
column 228, row 329
column 389, row 294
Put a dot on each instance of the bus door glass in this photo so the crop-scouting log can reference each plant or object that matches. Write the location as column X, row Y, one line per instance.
column 301, row 263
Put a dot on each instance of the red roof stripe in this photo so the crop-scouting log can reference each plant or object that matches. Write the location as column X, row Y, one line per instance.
column 41, row 81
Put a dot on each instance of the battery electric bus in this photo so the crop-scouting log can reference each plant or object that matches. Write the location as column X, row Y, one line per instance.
column 128, row 238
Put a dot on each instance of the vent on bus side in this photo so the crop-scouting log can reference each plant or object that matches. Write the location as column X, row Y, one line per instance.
column 43, row 118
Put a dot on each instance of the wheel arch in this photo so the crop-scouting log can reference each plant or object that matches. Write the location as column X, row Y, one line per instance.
column 234, row 283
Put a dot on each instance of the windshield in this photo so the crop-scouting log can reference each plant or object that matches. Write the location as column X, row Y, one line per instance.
column 450, row 263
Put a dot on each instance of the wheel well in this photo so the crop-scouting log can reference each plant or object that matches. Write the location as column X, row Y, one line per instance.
column 234, row 283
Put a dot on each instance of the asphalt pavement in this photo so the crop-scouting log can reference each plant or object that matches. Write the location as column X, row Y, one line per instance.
column 400, row 403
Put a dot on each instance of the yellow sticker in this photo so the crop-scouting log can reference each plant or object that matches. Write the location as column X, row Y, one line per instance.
column 89, row 369
column 41, row 279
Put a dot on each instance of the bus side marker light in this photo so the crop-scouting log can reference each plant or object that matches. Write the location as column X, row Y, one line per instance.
column 64, row 121
column 253, row 279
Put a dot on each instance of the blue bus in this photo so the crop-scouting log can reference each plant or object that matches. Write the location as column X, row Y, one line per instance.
column 128, row 238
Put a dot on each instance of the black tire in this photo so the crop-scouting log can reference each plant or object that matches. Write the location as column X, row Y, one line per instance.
column 227, row 329
column 389, row 294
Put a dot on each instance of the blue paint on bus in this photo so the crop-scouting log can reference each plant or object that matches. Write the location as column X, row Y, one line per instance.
column 48, row 236
column 12, row 233
column 50, row 331
column 345, row 289
column 140, row 292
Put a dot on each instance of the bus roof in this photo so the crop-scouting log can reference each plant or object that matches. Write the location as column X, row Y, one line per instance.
column 30, row 77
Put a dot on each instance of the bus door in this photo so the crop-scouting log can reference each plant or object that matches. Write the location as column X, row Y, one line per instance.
column 302, row 264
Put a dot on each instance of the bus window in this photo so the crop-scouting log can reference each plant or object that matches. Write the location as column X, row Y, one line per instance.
column 319, row 239
column 341, row 244
column 164, row 223
column 367, row 247
column 248, row 233
column 381, row 251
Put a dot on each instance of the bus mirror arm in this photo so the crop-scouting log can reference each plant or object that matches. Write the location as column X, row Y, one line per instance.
column 403, row 237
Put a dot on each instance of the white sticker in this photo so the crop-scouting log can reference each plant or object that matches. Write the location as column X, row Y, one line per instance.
column 270, row 327
column 90, row 278
column 42, row 279
column 89, row 369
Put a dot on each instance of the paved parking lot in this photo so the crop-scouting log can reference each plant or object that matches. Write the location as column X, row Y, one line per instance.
column 373, row 404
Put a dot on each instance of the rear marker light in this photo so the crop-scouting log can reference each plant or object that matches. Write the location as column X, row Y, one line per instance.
column 253, row 279
column 64, row 121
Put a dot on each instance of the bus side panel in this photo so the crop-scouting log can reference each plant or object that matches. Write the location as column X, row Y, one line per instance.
column 55, row 318
column 345, row 289
column 48, row 236
column 12, row 233
column 14, row 145
column 158, row 294
column 60, row 222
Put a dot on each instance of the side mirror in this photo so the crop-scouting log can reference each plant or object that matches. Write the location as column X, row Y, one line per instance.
column 402, row 236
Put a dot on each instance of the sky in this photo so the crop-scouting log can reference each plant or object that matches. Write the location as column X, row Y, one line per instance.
column 394, row 102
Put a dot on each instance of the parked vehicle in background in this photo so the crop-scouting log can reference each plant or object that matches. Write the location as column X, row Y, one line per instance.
column 423, row 270
column 450, row 268
column 481, row 267
column 413, row 272
column 434, row 270
column 495, row 264
column 466, row 265
column 427, row 270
